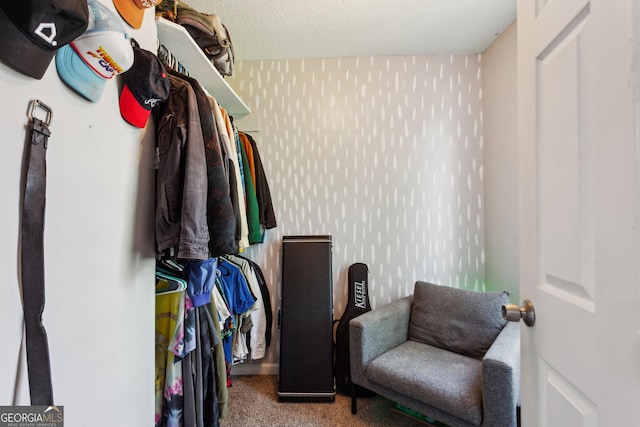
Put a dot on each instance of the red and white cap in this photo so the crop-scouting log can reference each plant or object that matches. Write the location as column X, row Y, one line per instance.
column 144, row 86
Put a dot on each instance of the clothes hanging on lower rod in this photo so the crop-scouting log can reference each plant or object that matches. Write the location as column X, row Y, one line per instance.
column 257, row 344
column 200, row 276
column 266, row 298
column 188, row 391
column 174, row 341
column 222, row 318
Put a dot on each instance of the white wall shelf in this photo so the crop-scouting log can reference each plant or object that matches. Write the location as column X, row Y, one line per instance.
column 178, row 41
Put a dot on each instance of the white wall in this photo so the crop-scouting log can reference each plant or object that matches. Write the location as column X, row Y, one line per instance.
column 383, row 153
column 499, row 85
column 98, row 251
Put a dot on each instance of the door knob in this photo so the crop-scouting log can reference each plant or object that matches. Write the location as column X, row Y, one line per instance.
column 513, row 313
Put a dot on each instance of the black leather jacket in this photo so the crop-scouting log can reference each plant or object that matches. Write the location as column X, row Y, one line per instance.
column 181, row 180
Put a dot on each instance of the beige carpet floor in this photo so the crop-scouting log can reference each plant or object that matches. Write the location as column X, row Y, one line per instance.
column 253, row 401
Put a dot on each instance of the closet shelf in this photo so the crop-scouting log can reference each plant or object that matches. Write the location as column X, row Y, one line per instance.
column 179, row 42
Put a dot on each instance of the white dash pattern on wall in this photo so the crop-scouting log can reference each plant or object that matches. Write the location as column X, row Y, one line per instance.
column 382, row 153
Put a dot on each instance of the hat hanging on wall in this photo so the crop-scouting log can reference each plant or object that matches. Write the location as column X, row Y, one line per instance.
column 101, row 52
column 132, row 11
column 144, row 86
column 33, row 30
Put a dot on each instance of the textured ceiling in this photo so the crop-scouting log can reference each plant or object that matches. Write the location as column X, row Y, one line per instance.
column 279, row 29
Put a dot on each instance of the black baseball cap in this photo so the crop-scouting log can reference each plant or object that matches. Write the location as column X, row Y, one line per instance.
column 144, row 85
column 31, row 31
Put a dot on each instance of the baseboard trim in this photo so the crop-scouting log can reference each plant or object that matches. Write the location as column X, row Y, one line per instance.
column 255, row 369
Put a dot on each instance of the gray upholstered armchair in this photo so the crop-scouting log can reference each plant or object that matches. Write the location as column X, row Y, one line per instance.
column 444, row 352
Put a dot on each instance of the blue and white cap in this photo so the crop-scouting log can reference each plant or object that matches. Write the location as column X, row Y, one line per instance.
column 104, row 50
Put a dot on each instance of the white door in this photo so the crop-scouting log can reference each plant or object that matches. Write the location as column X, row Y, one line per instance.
column 579, row 211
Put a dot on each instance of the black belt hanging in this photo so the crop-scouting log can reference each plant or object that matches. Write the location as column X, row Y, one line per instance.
column 32, row 258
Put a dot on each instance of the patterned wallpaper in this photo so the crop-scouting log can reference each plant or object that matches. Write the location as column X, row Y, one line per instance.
column 385, row 154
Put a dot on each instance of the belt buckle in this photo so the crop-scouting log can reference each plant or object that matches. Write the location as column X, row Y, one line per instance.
column 36, row 103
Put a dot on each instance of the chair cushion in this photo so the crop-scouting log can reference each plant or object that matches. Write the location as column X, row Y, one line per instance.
column 458, row 320
column 443, row 379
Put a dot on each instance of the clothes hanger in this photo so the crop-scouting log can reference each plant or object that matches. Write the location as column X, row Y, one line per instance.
column 168, row 283
column 169, row 277
column 170, row 265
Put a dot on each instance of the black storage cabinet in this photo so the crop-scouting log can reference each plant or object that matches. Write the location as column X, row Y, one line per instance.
column 306, row 320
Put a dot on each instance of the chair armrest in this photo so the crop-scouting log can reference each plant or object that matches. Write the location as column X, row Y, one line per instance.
column 501, row 377
column 376, row 332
